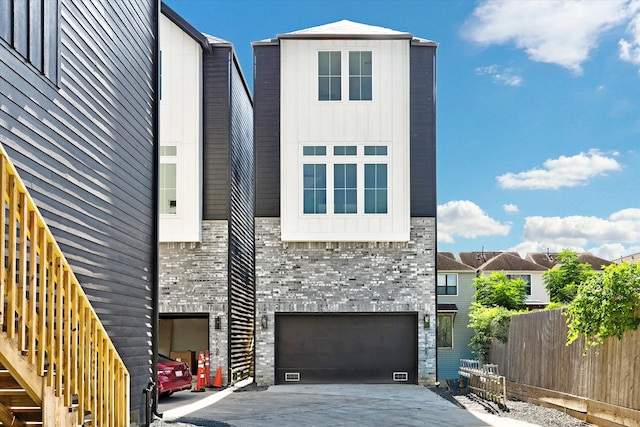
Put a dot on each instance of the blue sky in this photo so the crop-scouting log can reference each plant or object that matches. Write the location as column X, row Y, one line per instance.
column 538, row 110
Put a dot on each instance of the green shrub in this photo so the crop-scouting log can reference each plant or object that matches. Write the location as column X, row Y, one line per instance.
column 605, row 304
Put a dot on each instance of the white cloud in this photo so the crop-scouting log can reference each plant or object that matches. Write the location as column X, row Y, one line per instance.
column 561, row 172
column 630, row 49
column 557, row 32
column 466, row 219
column 510, row 208
column 506, row 76
column 603, row 237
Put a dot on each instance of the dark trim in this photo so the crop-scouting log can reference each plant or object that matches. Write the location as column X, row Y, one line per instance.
column 186, row 27
column 155, row 291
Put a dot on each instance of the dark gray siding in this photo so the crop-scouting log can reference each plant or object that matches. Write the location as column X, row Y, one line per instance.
column 241, row 241
column 423, row 131
column 84, row 146
column 216, row 131
column 266, row 89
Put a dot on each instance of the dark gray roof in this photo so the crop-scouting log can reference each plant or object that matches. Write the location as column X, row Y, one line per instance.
column 447, row 262
column 476, row 259
column 447, row 307
column 510, row 261
column 549, row 259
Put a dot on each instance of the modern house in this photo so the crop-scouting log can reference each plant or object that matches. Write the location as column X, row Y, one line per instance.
column 345, row 171
column 514, row 266
column 206, row 252
column 455, row 295
column 78, row 127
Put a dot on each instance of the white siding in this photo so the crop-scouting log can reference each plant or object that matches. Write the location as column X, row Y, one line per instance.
column 181, row 126
column 382, row 121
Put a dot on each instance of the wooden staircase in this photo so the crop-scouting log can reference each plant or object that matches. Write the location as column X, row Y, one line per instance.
column 58, row 366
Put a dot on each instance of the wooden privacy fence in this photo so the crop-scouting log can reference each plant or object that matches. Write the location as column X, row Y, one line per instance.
column 54, row 344
column 484, row 380
column 600, row 387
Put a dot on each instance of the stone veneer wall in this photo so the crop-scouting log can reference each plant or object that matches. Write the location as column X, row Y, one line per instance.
column 193, row 279
column 345, row 277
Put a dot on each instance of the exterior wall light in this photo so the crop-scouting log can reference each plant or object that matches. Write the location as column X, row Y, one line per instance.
column 264, row 321
column 427, row 321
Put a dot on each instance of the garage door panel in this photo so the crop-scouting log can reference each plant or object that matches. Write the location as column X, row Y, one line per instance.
column 347, row 348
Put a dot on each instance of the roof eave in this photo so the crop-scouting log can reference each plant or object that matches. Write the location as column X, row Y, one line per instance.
column 186, row 27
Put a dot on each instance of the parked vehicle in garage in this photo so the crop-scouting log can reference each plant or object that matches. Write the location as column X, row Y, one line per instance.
column 172, row 376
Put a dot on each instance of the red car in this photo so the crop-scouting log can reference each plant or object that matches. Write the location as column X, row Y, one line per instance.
column 172, row 376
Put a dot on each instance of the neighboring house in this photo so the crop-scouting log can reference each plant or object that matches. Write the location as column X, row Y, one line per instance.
column 345, row 206
column 455, row 295
column 78, row 119
column 631, row 259
column 549, row 259
column 206, row 258
column 514, row 266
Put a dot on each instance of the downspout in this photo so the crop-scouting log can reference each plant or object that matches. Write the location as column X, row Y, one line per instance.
column 152, row 390
column 230, row 255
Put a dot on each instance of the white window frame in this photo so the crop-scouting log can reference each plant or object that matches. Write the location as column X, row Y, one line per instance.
column 168, row 159
column 457, row 284
column 330, row 159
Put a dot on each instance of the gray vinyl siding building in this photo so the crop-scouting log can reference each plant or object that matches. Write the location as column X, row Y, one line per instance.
column 454, row 343
column 207, row 286
column 78, row 119
column 335, row 297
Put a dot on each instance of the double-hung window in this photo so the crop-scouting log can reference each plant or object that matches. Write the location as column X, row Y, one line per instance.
column 315, row 181
column 168, row 179
column 360, row 82
column 329, row 76
column 345, row 182
column 375, row 182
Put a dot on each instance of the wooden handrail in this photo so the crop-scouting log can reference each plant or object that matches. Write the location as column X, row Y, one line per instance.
column 49, row 317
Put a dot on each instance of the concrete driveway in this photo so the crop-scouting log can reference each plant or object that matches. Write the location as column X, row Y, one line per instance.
column 330, row 405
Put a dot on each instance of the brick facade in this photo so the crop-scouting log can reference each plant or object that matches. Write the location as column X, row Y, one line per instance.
column 193, row 279
column 345, row 278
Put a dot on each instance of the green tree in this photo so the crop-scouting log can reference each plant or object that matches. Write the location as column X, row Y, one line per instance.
column 497, row 299
column 563, row 280
column 605, row 305
column 488, row 323
column 498, row 290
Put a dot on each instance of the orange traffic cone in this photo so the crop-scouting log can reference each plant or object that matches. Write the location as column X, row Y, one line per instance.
column 200, row 381
column 217, row 382
column 207, row 370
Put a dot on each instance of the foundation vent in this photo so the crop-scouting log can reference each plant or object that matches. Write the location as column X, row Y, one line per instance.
column 401, row 376
column 292, row 376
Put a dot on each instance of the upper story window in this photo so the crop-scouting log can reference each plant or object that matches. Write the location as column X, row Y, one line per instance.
column 525, row 277
column 329, row 76
column 375, row 182
column 345, row 182
column 360, row 83
column 346, row 168
column 447, row 284
column 315, row 188
column 168, row 179
column 31, row 28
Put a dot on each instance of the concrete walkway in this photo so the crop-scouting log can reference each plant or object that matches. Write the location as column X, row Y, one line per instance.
column 351, row 405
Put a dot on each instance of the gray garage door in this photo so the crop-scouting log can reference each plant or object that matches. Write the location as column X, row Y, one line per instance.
column 346, row 348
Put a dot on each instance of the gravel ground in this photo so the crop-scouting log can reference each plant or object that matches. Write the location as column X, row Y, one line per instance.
column 516, row 409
